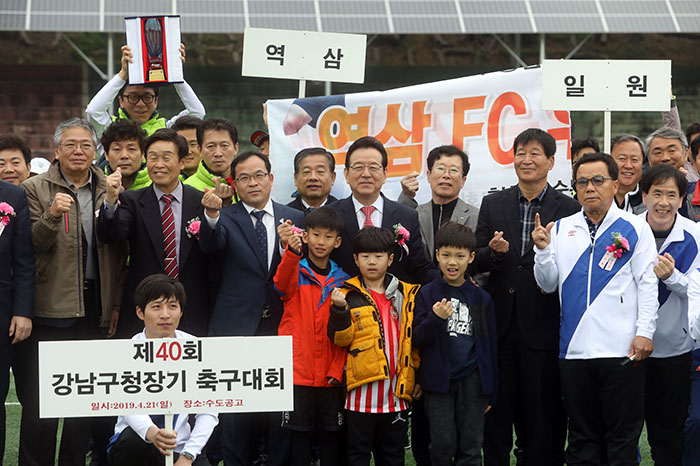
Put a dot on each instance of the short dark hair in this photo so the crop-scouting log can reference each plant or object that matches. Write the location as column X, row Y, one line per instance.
column 691, row 130
column 456, row 235
column 548, row 143
column 373, row 239
column 695, row 148
column 302, row 154
column 12, row 141
column 367, row 142
column 123, row 130
column 217, row 124
column 628, row 138
column 159, row 286
column 581, row 143
column 187, row 122
column 245, row 156
column 661, row 173
column 150, row 86
column 170, row 135
column 613, row 169
column 448, row 151
column 324, row 217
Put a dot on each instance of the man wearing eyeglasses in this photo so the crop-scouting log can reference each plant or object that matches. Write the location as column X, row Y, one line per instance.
column 244, row 235
column 75, row 285
column 138, row 102
column 601, row 260
column 529, row 397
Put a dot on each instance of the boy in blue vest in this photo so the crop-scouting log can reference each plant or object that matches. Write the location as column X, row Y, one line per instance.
column 455, row 328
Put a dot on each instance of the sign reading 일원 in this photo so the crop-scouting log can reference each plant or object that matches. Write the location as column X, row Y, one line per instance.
column 315, row 56
column 606, row 85
column 165, row 376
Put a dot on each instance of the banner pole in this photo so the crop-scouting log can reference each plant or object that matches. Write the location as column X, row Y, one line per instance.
column 169, row 425
column 606, row 132
column 302, row 88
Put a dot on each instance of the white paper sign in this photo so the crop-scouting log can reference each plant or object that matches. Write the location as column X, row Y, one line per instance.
column 154, row 42
column 316, row 56
column 165, row 376
column 606, row 85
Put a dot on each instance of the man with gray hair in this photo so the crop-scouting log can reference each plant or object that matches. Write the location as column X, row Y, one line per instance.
column 74, row 282
column 628, row 152
column 667, row 145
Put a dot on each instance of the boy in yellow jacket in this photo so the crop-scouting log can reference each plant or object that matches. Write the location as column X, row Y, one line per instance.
column 372, row 315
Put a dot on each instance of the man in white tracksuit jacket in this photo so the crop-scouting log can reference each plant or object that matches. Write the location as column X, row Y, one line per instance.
column 602, row 260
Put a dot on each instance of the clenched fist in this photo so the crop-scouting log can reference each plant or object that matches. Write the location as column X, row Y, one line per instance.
column 61, row 204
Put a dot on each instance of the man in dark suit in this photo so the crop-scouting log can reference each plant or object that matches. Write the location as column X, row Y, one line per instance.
column 527, row 319
column 245, row 236
column 16, row 283
column 160, row 222
column 365, row 173
column 314, row 175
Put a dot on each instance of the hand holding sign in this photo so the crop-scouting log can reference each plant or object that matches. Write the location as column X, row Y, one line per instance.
column 164, row 440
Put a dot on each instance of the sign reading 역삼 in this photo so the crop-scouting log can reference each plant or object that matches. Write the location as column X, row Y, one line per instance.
column 606, row 85
column 165, row 376
column 316, row 56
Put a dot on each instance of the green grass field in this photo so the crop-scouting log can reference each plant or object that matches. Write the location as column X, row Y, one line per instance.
column 14, row 411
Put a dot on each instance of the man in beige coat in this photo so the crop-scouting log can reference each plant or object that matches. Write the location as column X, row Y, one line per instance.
column 75, row 282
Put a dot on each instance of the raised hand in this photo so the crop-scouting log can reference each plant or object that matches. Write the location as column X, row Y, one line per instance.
column 664, row 268
column 338, row 298
column 61, row 204
column 285, row 232
column 211, row 202
column 541, row 235
column 409, row 184
column 127, row 58
column 498, row 244
column 443, row 309
column 114, row 186
column 223, row 190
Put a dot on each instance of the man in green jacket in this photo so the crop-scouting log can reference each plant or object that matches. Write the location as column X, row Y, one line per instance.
column 123, row 143
column 218, row 141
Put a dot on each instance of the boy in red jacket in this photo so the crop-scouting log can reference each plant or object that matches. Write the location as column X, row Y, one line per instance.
column 305, row 285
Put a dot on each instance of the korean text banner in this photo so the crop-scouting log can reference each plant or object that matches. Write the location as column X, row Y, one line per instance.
column 481, row 114
column 165, row 376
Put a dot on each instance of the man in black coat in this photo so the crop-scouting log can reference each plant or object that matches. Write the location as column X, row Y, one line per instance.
column 143, row 216
column 527, row 319
column 365, row 173
column 314, row 175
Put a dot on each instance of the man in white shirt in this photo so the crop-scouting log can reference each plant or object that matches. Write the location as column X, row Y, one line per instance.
column 602, row 261
column 142, row 440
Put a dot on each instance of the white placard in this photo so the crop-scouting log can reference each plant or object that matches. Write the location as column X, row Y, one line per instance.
column 171, row 58
column 316, row 56
column 165, row 376
column 606, row 85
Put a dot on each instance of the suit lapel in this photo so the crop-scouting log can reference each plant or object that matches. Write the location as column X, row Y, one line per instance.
column 425, row 219
column 241, row 217
column 389, row 214
column 550, row 205
column 512, row 212
column 189, row 211
column 347, row 211
column 461, row 212
column 152, row 220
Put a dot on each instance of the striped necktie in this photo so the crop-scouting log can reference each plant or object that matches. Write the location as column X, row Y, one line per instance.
column 368, row 210
column 169, row 243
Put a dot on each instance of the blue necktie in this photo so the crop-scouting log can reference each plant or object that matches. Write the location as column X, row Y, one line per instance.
column 261, row 233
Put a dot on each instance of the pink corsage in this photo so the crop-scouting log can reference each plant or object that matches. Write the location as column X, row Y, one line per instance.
column 7, row 213
column 401, row 235
column 614, row 251
column 297, row 230
column 193, row 228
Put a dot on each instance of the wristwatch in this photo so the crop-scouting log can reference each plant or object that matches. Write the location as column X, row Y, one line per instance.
column 188, row 456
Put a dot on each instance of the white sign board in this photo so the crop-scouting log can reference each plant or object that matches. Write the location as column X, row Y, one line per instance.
column 155, row 46
column 606, row 85
column 315, row 56
column 165, row 376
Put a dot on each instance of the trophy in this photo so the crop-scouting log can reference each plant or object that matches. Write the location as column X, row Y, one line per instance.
column 153, row 36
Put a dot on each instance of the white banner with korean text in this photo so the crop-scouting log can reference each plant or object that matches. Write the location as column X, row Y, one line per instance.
column 481, row 114
column 165, row 376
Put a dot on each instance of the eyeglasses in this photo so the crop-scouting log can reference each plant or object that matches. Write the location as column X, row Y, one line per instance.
column 72, row 146
column 134, row 99
column 441, row 170
column 596, row 180
column 258, row 175
column 359, row 168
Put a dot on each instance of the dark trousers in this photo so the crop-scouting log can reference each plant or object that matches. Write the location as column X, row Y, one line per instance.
column 130, row 450
column 529, row 392
column 329, row 452
column 420, row 433
column 236, row 438
column 383, row 435
column 691, row 455
column 605, row 404
column 6, row 351
column 37, row 442
column 666, row 404
column 457, row 423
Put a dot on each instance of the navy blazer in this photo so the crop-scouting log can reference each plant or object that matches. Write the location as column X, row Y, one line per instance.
column 138, row 220
column 414, row 267
column 247, row 288
column 17, row 267
column 430, row 335
column 298, row 205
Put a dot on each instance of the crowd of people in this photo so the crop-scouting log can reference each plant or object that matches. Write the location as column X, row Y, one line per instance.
column 541, row 316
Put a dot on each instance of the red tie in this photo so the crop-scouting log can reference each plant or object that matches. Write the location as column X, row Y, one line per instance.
column 169, row 243
column 367, row 210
